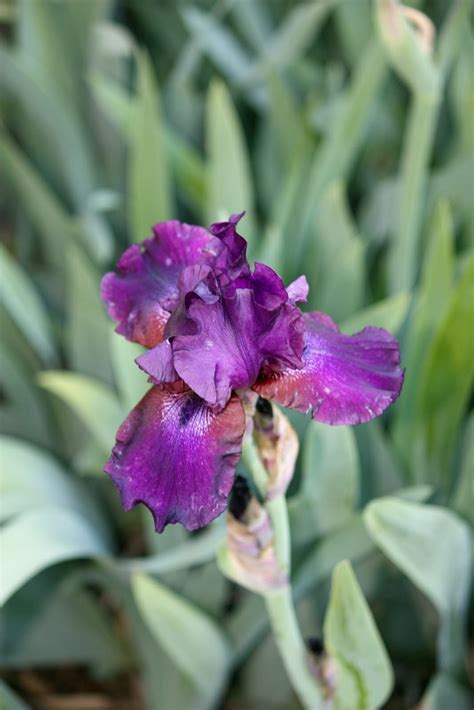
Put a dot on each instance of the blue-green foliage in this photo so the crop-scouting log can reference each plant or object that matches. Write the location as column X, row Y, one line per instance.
column 353, row 156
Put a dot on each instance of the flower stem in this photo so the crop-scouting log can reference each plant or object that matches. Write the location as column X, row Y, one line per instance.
column 278, row 512
column 292, row 648
column 254, row 465
column 279, row 602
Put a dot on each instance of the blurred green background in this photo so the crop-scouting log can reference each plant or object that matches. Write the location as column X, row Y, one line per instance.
column 350, row 145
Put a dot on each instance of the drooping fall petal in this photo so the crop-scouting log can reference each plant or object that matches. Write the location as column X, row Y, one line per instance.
column 177, row 456
column 346, row 379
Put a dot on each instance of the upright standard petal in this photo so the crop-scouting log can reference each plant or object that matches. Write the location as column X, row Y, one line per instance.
column 345, row 379
column 144, row 291
column 234, row 338
column 268, row 288
column 232, row 260
column 177, row 456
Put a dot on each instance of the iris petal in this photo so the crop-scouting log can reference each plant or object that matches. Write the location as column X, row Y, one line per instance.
column 298, row 290
column 158, row 363
column 345, row 379
column 177, row 456
column 145, row 290
column 232, row 260
column 268, row 288
column 234, row 337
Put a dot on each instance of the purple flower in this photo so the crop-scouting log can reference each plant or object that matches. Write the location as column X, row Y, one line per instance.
column 215, row 328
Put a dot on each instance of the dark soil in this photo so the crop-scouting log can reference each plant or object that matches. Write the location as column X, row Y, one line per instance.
column 73, row 688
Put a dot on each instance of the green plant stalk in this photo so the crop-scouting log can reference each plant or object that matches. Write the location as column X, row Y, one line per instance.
column 338, row 151
column 279, row 602
column 254, row 465
column 451, row 36
column 278, row 511
column 402, row 260
column 291, row 646
column 451, row 644
column 424, row 110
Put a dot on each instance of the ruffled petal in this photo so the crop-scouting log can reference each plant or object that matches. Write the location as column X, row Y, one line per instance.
column 177, row 456
column 232, row 260
column 345, row 379
column 234, row 338
column 268, row 288
column 194, row 281
column 142, row 294
column 298, row 290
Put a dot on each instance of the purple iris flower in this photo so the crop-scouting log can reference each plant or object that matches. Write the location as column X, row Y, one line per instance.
column 214, row 329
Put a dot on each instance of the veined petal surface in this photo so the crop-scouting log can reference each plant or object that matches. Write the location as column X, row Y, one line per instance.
column 178, row 456
column 346, row 379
